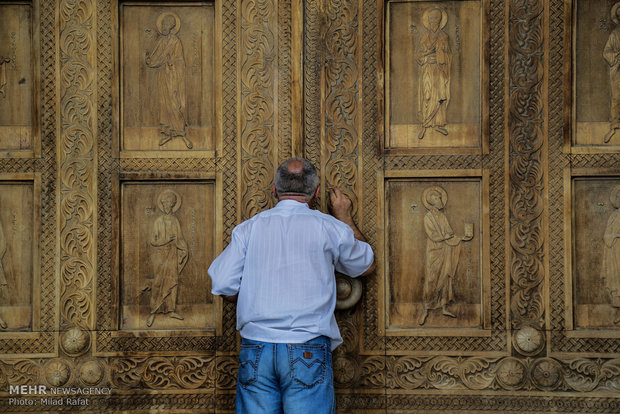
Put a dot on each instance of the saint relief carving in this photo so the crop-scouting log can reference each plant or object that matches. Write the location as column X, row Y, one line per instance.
column 596, row 252
column 166, row 245
column 17, row 69
column 434, row 57
column 443, row 250
column 17, row 255
column 610, row 269
column 435, row 276
column 167, row 78
column 3, row 280
column 169, row 257
column 434, row 81
column 168, row 59
column 611, row 54
column 4, row 61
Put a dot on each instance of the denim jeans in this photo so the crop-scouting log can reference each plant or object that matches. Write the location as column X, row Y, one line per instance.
column 285, row 378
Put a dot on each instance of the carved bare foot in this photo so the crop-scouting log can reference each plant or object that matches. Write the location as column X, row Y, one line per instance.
column 446, row 312
column 150, row 319
column 422, row 317
column 617, row 320
column 164, row 139
column 609, row 135
column 175, row 316
column 442, row 130
column 188, row 143
column 422, row 132
column 3, row 324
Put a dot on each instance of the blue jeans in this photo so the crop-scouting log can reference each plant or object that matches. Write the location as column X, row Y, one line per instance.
column 285, row 378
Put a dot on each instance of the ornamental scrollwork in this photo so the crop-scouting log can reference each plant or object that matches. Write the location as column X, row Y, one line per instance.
column 312, row 77
column 341, row 102
column 585, row 375
column 163, row 373
column 526, row 54
column 258, row 57
column 19, row 372
column 77, row 161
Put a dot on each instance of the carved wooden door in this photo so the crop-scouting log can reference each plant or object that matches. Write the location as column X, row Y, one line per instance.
column 477, row 139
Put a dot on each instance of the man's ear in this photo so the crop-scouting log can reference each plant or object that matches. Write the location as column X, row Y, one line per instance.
column 316, row 194
column 274, row 192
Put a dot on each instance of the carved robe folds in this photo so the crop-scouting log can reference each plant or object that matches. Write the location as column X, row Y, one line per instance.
column 168, row 57
column 442, row 259
column 169, row 260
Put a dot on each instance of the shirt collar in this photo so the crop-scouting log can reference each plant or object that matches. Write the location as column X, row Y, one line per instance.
column 291, row 204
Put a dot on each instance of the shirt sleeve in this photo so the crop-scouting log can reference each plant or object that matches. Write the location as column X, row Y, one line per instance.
column 226, row 270
column 355, row 256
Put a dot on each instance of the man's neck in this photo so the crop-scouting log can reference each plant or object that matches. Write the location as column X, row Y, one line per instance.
column 299, row 199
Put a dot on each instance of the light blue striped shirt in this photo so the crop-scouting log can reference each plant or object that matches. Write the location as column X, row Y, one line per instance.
column 282, row 262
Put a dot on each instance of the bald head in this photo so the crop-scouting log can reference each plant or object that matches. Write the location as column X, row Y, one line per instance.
column 296, row 176
column 295, row 166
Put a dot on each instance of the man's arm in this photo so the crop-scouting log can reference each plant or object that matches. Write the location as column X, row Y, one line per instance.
column 340, row 206
column 226, row 270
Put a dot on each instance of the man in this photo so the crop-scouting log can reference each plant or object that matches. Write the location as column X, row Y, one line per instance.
column 281, row 265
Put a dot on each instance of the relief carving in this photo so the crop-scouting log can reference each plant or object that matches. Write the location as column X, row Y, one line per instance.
column 341, row 101
column 4, row 62
column 596, row 239
column 16, row 255
column 57, row 372
column 432, row 266
column 610, row 268
column 75, row 341
column 168, row 59
column 17, row 68
column 526, row 172
column 165, row 373
column 166, row 245
column 611, row 53
column 169, row 256
column 596, row 79
column 258, row 73
column 167, row 71
column 3, row 281
column 434, row 56
column 434, row 74
column 443, row 251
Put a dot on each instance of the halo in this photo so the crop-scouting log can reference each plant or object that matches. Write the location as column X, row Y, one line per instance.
column 614, row 13
column 613, row 197
column 177, row 20
column 444, row 17
column 160, row 197
column 441, row 191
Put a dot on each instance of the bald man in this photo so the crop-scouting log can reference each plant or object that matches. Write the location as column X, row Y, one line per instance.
column 280, row 266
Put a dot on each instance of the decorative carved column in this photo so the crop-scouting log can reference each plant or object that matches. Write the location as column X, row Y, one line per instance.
column 77, row 168
column 526, row 181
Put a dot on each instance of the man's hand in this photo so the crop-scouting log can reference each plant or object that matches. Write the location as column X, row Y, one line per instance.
column 340, row 205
